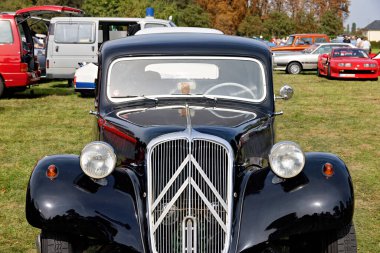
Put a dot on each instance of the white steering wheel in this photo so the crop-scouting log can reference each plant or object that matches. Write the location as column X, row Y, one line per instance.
column 238, row 85
column 221, row 85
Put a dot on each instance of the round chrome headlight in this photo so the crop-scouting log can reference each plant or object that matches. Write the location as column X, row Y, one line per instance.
column 97, row 159
column 286, row 159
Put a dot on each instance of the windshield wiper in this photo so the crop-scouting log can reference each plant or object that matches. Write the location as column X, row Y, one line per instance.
column 201, row 96
column 140, row 97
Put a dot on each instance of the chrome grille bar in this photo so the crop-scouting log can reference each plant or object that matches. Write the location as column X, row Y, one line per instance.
column 189, row 193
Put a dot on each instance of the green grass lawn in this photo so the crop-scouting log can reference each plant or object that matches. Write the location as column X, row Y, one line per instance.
column 341, row 117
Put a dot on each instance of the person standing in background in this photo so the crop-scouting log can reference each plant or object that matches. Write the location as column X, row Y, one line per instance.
column 346, row 39
column 366, row 45
column 359, row 43
column 353, row 40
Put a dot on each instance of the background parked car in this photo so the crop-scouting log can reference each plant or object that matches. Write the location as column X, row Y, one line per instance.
column 348, row 63
column 294, row 63
column 19, row 67
column 84, row 78
column 72, row 40
column 376, row 57
column 299, row 42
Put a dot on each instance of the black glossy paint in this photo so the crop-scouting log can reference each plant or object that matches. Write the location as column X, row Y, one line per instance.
column 310, row 202
column 75, row 204
column 114, row 210
column 249, row 133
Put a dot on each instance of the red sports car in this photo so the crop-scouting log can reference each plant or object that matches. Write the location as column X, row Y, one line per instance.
column 348, row 63
column 376, row 57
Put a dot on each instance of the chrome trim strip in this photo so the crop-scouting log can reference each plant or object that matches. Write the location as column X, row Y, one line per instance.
column 208, row 204
column 260, row 64
column 210, row 184
column 172, row 179
column 167, row 208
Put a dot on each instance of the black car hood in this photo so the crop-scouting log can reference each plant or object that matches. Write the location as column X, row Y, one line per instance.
column 137, row 127
column 183, row 116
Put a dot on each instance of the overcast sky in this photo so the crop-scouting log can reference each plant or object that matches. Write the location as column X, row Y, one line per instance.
column 363, row 12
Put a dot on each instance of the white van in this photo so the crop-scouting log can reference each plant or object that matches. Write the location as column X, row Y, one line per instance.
column 72, row 40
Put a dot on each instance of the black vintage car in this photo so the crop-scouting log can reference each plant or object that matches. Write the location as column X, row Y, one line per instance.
column 185, row 160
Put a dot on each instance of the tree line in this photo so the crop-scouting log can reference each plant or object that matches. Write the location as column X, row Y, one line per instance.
column 268, row 18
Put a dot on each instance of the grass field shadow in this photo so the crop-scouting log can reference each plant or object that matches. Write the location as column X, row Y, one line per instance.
column 56, row 88
column 61, row 85
column 39, row 92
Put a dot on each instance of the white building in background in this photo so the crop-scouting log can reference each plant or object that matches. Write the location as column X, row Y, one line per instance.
column 372, row 31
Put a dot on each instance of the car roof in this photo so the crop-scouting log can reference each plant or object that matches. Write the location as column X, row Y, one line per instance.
column 112, row 19
column 345, row 48
column 178, row 29
column 334, row 43
column 194, row 44
column 308, row 34
column 7, row 14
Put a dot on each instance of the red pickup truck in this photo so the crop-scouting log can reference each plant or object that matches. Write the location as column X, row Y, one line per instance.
column 19, row 67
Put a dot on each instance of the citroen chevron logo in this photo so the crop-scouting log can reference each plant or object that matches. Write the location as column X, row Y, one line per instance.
column 189, row 182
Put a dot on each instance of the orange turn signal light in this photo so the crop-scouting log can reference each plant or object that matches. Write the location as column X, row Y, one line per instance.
column 328, row 169
column 52, row 172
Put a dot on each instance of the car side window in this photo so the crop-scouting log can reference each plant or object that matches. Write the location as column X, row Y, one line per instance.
column 150, row 25
column 327, row 50
column 320, row 40
column 83, row 32
column 321, row 50
column 304, row 41
column 299, row 42
column 307, row 41
column 6, row 36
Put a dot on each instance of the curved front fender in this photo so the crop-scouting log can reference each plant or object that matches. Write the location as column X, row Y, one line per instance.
column 108, row 210
column 271, row 208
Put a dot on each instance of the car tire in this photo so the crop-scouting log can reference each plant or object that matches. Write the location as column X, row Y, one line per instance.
column 318, row 73
column 70, row 83
column 342, row 242
column 54, row 243
column 294, row 68
column 86, row 94
column 2, row 87
column 329, row 72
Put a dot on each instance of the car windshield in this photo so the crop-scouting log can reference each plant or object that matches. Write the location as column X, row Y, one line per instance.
column 289, row 41
column 349, row 52
column 217, row 77
column 310, row 49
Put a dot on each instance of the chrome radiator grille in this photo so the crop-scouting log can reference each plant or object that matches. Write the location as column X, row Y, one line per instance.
column 189, row 194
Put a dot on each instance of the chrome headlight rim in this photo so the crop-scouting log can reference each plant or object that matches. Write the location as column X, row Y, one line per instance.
column 284, row 152
column 98, row 150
